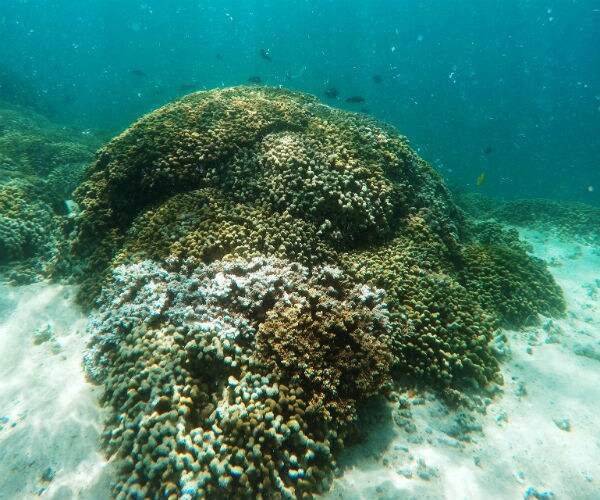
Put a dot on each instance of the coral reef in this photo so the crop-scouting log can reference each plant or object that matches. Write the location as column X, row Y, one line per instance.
column 31, row 145
column 238, row 379
column 441, row 335
column 489, row 232
column 511, row 283
column 40, row 166
column 569, row 218
column 205, row 225
column 262, row 263
column 30, row 233
column 347, row 175
column 475, row 204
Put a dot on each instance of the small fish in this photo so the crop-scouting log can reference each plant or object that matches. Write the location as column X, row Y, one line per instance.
column 377, row 79
column 266, row 55
column 355, row 99
column 480, row 179
column 487, row 150
column 219, row 57
column 332, row 93
column 139, row 73
column 255, row 79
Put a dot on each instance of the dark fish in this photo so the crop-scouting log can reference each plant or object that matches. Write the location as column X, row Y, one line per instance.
column 138, row 72
column 219, row 57
column 255, row 79
column 487, row 150
column 266, row 55
column 355, row 99
column 377, row 79
column 332, row 93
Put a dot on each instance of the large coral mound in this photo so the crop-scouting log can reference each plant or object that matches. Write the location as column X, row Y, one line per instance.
column 262, row 263
column 348, row 178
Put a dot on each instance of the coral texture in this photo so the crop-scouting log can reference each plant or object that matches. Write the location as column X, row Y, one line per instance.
column 511, row 283
column 40, row 166
column 570, row 218
column 238, row 379
column 262, row 263
column 348, row 178
column 30, row 231
column 441, row 334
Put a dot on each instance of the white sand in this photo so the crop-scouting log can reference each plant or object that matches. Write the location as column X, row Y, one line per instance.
column 48, row 413
column 51, row 418
column 552, row 378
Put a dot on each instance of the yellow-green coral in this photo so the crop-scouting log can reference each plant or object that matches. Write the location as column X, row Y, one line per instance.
column 510, row 283
column 440, row 333
column 32, row 145
column 205, row 225
column 348, row 176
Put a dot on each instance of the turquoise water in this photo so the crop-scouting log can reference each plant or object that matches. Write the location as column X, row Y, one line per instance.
column 509, row 89
column 249, row 294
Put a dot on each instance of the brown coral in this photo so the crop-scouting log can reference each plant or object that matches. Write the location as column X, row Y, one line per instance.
column 347, row 175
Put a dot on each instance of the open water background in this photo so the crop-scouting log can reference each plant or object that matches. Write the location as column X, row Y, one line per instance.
column 505, row 88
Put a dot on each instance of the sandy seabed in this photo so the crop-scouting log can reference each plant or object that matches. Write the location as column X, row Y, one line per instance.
column 50, row 421
column 536, row 438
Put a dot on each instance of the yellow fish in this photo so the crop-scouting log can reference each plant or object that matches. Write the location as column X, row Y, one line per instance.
column 480, row 179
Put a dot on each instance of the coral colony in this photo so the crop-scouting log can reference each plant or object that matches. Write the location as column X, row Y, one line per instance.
column 258, row 264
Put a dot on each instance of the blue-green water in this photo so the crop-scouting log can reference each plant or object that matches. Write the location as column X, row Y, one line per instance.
column 506, row 88
column 270, row 281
